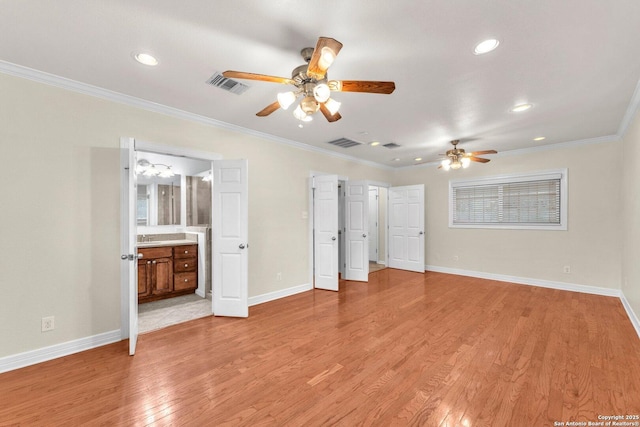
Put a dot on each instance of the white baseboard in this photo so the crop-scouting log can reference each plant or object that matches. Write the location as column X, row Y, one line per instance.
column 632, row 315
column 20, row 360
column 528, row 281
column 271, row 296
column 382, row 262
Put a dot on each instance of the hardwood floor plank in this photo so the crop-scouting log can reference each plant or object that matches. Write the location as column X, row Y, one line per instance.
column 404, row 349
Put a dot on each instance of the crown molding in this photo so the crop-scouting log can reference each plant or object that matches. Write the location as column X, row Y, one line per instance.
column 98, row 92
column 634, row 104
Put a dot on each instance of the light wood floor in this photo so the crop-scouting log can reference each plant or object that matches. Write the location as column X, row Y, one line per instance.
column 405, row 349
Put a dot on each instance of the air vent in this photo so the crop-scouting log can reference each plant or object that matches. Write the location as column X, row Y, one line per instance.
column 344, row 143
column 218, row 80
column 392, row 145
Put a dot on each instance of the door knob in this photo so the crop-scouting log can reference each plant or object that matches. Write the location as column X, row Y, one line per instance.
column 364, row 235
column 422, row 232
column 333, row 238
column 124, row 257
column 241, row 246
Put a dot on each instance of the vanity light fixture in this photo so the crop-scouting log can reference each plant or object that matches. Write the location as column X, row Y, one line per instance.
column 146, row 168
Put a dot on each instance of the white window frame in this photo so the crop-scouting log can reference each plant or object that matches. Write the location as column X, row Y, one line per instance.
column 514, row 178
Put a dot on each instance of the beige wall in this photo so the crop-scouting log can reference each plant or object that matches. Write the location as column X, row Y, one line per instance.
column 591, row 245
column 631, row 216
column 61, row 218
column 60, row 213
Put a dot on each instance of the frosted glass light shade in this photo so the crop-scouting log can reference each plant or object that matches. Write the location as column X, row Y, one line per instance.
column 465, row 162
column 285, row 99
column 446, row 164
column 321, row 92
column 332, row 105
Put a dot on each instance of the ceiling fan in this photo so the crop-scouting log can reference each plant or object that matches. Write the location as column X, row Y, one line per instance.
column 312, row 84
column 457, row 157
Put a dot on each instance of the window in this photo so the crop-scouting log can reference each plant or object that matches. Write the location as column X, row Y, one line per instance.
column 522, row 201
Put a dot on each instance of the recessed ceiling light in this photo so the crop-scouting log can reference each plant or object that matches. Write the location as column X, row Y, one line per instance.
column 374, row 143
column 521, row 107
column 146, row 59
column 540, row 138
column 486, row 46
column 417, row 159
column 396, row 159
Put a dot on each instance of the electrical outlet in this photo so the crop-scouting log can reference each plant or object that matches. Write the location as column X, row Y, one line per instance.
column 279, row 276
column 567, row 269
column 48, row 323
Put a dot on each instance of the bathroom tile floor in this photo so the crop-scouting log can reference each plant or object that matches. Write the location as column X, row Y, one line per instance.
column 160, row 314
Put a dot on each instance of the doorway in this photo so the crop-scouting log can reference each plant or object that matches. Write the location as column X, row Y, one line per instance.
column 228, row 245
column 339, row 229
column 173, row 212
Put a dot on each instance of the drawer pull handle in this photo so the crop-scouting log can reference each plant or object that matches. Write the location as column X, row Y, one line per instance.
column 154, row 262
column 148, row 262
column 186, row 280
column 186, row 252
column 186, row 265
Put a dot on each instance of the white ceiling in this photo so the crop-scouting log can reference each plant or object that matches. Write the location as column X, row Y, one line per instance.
column 576, row 61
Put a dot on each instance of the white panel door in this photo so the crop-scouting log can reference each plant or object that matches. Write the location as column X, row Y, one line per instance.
column 357, row 227
column 129, row 235
column 406, row 227
column 373, row 224
column 230, row 250
column 325, row 236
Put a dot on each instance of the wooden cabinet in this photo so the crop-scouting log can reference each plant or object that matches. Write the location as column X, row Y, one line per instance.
column 167, row 271
column 185, row 267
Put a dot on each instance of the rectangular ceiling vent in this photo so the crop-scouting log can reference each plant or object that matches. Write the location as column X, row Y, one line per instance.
column 392, row 145
column 344, row 143
column 218, row 80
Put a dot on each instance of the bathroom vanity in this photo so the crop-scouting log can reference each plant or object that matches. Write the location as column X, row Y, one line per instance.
column 167, row 269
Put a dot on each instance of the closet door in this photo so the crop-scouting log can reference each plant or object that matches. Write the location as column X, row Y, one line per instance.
column 325, row 220
column 406, row 227
column 357, row 227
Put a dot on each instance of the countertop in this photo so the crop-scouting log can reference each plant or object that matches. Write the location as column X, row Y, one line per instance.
column 161, row 243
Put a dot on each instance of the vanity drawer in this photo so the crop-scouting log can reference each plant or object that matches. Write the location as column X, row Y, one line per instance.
column 185, row 265
column 185, row 281
column 185, row 251
column 159, row 252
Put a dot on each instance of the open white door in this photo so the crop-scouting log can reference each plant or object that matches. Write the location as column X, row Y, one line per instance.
column 325, row 235
column 406, row 227
column 128, row 238
column 230, row 250
column 357, row 227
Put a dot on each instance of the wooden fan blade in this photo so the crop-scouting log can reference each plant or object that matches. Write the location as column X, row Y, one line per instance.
column 268, row 109
column 479, row 153
column 323, row 56
column 362, row 86
column 327, row 114
column 478, row 159
column 251, row 76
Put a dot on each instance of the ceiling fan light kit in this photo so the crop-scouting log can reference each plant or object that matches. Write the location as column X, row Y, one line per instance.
column 312, row 84
column 458, row 158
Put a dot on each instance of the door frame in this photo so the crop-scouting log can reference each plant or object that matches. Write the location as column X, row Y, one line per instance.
column 152, row 147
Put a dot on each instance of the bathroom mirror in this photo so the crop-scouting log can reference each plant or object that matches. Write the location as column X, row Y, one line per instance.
column 158, row 201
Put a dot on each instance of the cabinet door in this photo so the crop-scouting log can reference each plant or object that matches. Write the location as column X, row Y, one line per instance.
column 162, row 275
column 144, row 277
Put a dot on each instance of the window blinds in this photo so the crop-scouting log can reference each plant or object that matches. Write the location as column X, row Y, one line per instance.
column 533, row 202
